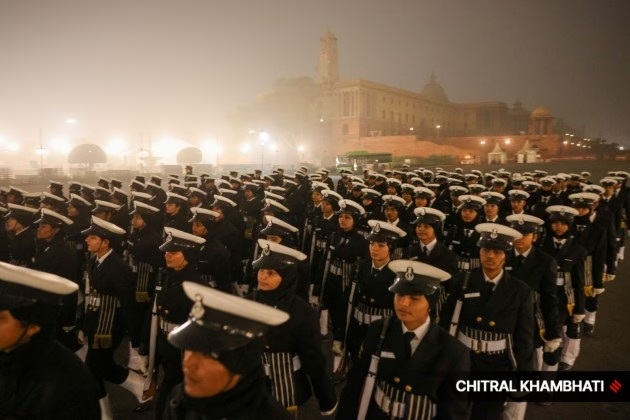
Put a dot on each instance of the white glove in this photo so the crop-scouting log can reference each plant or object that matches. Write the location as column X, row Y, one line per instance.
column 609, row 277
column 330, row 412
column 598, row 291
column 242, row 289
column 314, row 300
column 82, row 338
column 578, row 318
column 552, row 345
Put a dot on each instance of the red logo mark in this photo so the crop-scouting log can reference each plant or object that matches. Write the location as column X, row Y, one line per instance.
column 615, row 386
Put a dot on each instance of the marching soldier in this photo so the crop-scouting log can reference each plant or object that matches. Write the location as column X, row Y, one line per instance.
column 570, row 259
column 224, row 376
column 39, row 377
column 418, row 362
column 18, row 223
column 213, row 255
column 293, row 351
column 347, row 249
column 371, row 301
column 145, row 261
column 428, row 248
column 180, row 252
column 494, row 316
column 538, row 270
column 176, row 214
column 491, row 208
column 597, row 236
column 109, row 299
column 461, row 237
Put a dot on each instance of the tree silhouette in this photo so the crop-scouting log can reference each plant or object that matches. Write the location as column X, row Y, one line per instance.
column 189, row 155
column 87, row 154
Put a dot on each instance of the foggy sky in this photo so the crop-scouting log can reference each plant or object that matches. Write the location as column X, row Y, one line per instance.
column 125, row 67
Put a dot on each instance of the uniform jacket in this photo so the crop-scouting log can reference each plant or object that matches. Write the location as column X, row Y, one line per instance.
column 42, row 379
column 539, row 272
column 436, row 364
column 22, row 248
column 507, row 310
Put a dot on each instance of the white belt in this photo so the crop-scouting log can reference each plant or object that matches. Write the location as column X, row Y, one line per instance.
column 166, row 326
column 364, row 318
column 482, row 346
column 320, row 244
column 337, row 271
column 560, row 281
column 393, row 409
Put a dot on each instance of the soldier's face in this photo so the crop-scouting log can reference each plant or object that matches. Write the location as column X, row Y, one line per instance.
column 317, row 197
column 72, row 211
column 268, row 279
column 46, row 231
column 13, row 332
column 327, row 208
column 468, row 215
column 175, row 259
column 10, row 225
column 411, row 310
column 421, row 201
column 559, row 227
column 391, row 213
column 379, row 251
column 425, row 232
column 198, row 229
column 205, row 376
column 137, row 222
column 346, row 222
column 491, row 259
column 583, row 211
column 517, row 205
column 491, row 210
column 171, row 208
column 524, row 242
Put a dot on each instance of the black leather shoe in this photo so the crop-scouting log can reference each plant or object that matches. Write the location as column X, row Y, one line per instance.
column 589, row 329
column 564, row 366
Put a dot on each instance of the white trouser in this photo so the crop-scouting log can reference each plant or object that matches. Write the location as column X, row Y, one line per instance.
column 514, row 410
column 570, row 348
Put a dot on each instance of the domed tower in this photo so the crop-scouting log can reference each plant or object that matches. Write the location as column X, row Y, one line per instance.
column 328, row 60
column 434, row 91
column 540, row 122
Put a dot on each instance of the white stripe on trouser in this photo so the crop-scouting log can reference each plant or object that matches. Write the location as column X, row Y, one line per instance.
column 514, row 410
column 589, row 317
column 540, row 365
column 570, row 348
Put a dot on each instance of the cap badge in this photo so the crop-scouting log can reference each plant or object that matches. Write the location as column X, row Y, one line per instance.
column 422, row 211
column 377, row 227
column 169, row 237
column 409, row 274
column 197, row 311
column 562, row 211
column 342, row 204
column 266, row 251
column 494, row 234
column 521, row 221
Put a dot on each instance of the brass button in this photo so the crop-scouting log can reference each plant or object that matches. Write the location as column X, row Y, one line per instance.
column 165, row 311
column 408, row 388
column 492, row 323
column 372, row 300
column 479, row 319
column 266, row 347
column 364, row 297
column 396, row 379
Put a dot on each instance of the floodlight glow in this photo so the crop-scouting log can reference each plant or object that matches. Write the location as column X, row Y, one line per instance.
column 301, row 148
column 245, row 148
column 116, row 146
column 61, row 145
column 71, row 121
column 13, row 147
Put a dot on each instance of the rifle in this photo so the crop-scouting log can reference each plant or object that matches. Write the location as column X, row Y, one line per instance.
column 152, row 371
column 323, row 320
column 342, row 362
column 370, row 379
column 458, row 307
